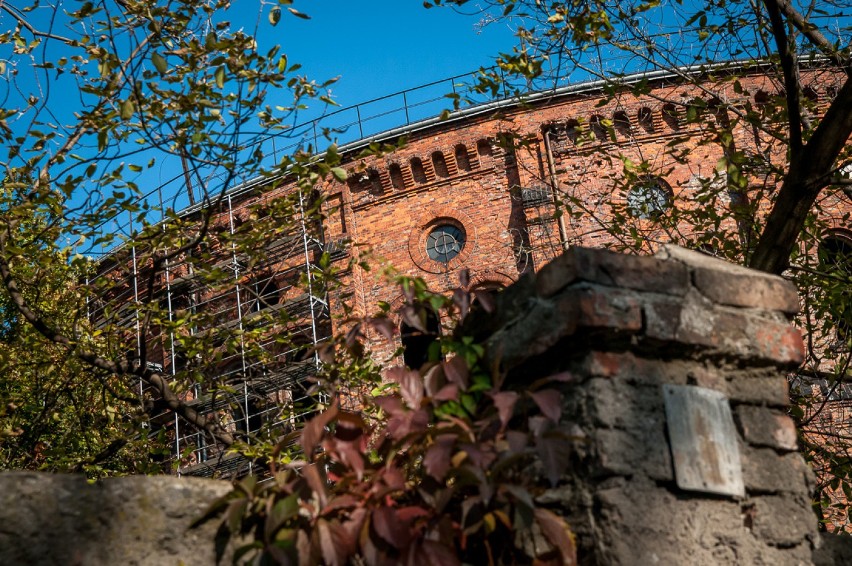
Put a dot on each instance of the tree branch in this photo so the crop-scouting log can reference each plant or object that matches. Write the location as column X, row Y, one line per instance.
column 125, row 367
column 810, row 31
column 791, row 77
column 806, row 177
column 12, row 11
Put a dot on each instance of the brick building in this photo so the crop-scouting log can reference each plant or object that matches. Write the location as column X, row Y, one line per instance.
column 499, row 189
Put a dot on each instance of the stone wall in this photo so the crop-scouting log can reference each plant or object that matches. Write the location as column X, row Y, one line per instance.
column 142, row 521
column 673, row 369
column 653, row 481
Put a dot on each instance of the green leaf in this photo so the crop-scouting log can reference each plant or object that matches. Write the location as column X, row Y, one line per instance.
column 298, row 14
column 159, row 63
column 339, row 173
column 275, row 15
column 282, row 64
column 220, row 77
column 127, row 108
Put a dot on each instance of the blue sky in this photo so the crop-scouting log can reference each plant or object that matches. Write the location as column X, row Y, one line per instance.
column 382, row 46
column 376, row 47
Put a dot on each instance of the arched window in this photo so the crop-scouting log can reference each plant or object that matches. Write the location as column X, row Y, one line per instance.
column 440, row 164
column 462, row 158
column 417, row 170
column 645, row 117
column 671, row 116
column 621, row 122
column 421, row 345
column 397, row 180
column 375, row 182
column 598, row 128
column 483, row 148
column 835, row 257
column 761, row 97
column 572, row 131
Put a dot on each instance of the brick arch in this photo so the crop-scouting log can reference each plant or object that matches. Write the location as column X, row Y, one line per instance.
column 490, row 276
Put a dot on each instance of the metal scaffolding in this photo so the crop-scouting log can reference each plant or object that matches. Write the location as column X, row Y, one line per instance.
column 249, row 388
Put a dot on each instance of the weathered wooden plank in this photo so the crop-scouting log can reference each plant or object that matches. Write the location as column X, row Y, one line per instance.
column 703, row 440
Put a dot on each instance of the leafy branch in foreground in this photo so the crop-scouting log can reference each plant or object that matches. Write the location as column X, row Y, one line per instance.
column 440, row 465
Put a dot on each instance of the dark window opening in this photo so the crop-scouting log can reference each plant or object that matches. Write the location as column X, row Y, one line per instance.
column 261, row 294
column 645, row 117
column 598, row 128
column 248, row 418
column 418, row 346
column 417, row 171
column 671, row 116
column 396, row 178
column 622, row 123
column 462, row 159
column 835, row 256
column 573, row 131
column 440, row 164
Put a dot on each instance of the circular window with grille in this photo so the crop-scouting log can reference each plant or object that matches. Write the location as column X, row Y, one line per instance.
column 649, row 198
column 445, row 242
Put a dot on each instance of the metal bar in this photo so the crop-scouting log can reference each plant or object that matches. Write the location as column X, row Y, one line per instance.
column 405, row 105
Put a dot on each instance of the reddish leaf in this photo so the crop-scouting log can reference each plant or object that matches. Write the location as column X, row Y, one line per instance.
column 505, row 401
column 517, row 440
column 354, row 523
column 316, row 482
column 434, row 380
column 461, row 298
column 556, row 531
column 550, row 403
column 404, row 424
column 457, row 371
column 482, row 458
column 437, row 458
column 390, row 404
column 353, row 335
column 539, row 425
column 464, row 278
column 410, row 385
column 411, row 316
column 383, row 326
column 411, row 513
column 335, row 541
column 449, row 392
column 486, row 299
column 341, row 502
column 390, row 528
column 314, row 430
column 393, row 478
column 347, row 453
column 554, row 453
column 307, row 556
column 562, row 377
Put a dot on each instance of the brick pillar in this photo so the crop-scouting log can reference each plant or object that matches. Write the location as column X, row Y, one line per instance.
column 647, row 340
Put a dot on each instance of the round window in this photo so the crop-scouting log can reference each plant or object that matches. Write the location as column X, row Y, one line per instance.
column 445, row 242
column 649, row 198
